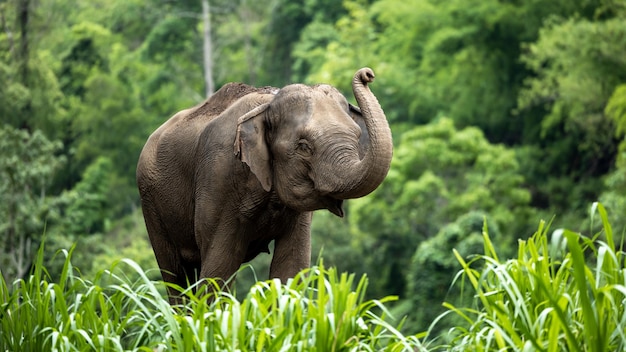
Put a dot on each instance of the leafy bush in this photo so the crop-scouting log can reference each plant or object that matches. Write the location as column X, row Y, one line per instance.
column 564, row 293
column 28, row 162
column 433, row 267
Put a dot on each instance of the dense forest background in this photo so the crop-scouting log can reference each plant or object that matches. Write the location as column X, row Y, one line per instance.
column 503, row 113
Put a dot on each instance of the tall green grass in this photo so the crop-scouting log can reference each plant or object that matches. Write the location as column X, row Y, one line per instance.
column 564, row 292
column 319, row 310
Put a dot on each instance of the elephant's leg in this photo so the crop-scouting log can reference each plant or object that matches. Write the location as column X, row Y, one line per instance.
column 172, row 271
column 292, row 250
column 167, row 256
column 223, row 249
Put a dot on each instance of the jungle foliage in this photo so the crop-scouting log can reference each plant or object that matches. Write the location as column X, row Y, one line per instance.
column 503, row 113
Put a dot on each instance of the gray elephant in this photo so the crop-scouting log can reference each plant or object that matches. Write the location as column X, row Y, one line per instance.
column 220, row 181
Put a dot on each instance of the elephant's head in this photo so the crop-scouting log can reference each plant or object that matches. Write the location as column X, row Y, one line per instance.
column 314, row 148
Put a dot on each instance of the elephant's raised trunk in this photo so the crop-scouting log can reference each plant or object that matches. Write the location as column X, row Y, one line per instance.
column 361, row 177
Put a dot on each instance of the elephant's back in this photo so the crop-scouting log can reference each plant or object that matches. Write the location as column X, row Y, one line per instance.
column 170, row 151
column 224, row 98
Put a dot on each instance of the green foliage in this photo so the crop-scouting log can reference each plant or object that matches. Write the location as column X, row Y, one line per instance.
column 126, row 239
column 578, row 65
column 102, row 104
column 350, row 48
column 319, row 310
column 289, row 31
column 331, row 239
column 472, row 174
column 562, row 292
column 238, row 43
column 84, row 208
column 438, row 175
column 615, row 183
column 430, row 275
column 80, row 216
column 13, row 95
column 310, row 52
column 614, row 196
column 27, row 165
column 616, row 108
column 442, row 57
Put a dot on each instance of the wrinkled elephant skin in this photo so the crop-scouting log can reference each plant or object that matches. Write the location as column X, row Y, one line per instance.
column 220, row 181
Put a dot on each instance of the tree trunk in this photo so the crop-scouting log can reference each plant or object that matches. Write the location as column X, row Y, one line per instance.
column 208, row 49
column 247, row 42
column 23, row 9
column 23, row 57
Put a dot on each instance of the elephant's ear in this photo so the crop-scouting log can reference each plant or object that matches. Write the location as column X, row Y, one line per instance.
column 364, row 140
column 250, row 145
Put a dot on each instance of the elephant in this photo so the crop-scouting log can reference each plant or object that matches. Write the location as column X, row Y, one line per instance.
column 218, row 182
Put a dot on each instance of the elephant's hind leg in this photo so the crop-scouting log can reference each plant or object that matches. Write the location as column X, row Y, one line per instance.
column 172, row 271
column 167, row 255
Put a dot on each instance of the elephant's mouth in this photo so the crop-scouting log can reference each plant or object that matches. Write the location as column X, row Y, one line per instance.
column 326, row 199
column 335, row 206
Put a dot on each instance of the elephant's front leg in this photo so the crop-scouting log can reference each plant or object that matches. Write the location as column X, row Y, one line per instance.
column 222, row 249
column 292, row 249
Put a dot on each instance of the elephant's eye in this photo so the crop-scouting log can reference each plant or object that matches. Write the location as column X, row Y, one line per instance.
column 304, row 147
